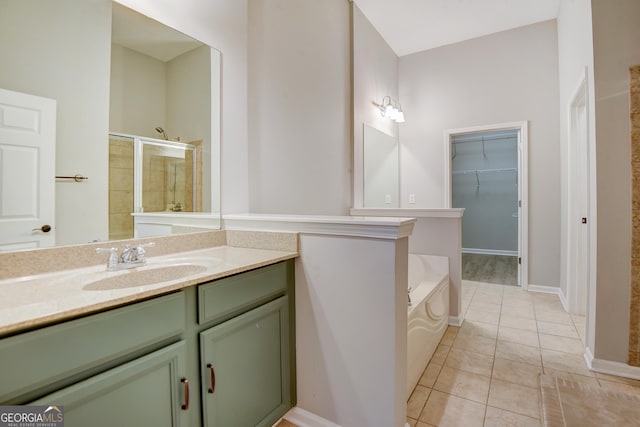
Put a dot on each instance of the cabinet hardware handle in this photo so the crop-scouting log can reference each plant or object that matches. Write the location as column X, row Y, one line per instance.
column 213, row 378
column 186, row 393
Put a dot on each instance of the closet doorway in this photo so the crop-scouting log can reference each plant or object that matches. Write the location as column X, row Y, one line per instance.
column 486, row 176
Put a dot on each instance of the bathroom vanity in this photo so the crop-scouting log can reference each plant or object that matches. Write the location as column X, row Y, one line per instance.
column 209, row 352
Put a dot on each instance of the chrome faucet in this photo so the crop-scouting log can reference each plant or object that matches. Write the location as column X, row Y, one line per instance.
column 131, row 256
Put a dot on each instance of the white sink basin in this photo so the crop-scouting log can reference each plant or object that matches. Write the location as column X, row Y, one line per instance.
column 150, row 274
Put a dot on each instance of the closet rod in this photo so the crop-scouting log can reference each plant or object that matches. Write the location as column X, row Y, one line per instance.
column 466, row 171
column 483, row 139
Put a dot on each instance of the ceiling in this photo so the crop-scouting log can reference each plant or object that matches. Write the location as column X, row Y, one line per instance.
column 147, row 36
column 411, row 26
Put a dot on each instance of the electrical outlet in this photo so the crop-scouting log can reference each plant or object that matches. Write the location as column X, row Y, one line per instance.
column 412, row 198
column 387, row 199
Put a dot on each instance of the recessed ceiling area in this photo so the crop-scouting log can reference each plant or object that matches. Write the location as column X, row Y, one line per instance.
column 411, row 26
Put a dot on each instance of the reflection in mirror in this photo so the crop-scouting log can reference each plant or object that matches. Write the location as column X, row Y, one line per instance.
column 101, row 82
column 381, row 169
column 149, row 175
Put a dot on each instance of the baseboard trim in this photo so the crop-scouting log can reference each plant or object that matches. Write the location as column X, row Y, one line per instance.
column 489, row 252
column 544, row 289
column 304, row 418
column 610, row 367
column 563, row 300
column 456, row 321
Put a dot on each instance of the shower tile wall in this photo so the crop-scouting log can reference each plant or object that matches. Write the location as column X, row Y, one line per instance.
column 634, row 327
column 120, row 189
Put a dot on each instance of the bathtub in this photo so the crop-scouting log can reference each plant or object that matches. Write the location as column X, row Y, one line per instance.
column 428, row 312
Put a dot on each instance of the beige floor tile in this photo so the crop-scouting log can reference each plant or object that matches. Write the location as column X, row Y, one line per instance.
column 579, row 320
column 430, row 375
column 521, row 310
column 500, row 418
column 518, row 353
column 482, row 316
column 487, row 298
column 625, row 388
column 417, row 401
column 412, row 422
column 557, row 343
column 515, row 297
column 484, row 307
column 547, row 305
column 421, row 424
column 518, row 322
column 519, row 336
column 542, row 297
column 516, row 372
column 476, row 344
column 571, row 376
column 514, row 398
column 440, row 354
column 475, row 328
column 476, row 363
column 565, row 362
column 463, row 384
column 449, row 335
column 617, row 379
column 548, row 328
column 554, row 317
column 446, row 410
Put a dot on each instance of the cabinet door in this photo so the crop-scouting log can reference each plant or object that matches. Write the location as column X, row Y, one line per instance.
column 245, row 368
column 147, row 391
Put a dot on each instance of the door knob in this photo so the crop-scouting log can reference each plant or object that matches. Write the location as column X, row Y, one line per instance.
column 45, row 228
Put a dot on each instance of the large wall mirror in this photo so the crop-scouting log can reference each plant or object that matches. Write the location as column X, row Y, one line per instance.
column 115, row 75
column 381, row 169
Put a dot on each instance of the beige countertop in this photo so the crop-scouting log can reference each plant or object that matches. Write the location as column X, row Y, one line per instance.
column 33, row 301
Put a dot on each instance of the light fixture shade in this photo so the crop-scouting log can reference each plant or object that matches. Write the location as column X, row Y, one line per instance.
column 388, row 112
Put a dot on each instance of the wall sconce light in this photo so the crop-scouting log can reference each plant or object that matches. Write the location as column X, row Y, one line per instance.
column 388, row 109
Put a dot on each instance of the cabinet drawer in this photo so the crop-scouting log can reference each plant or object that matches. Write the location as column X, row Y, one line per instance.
column 61, row 354
column 227, row 297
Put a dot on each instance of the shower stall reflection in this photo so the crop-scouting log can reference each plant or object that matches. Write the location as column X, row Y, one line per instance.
column 150, row 175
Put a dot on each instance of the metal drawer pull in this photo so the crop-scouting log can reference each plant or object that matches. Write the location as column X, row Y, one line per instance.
column 213, row 378
column 186, row 393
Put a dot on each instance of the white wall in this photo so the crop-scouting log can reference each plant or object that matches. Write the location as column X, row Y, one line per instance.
column 189, row 105
column 223, row 25
column 505, row 77
column 138, row 92
column 616, row 36
column 43, row 64
column 299, row 106
column 575, row 57
column 375, row 75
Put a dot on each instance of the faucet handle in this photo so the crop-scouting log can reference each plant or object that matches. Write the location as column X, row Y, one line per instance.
column 140, row 252
column 113, row 256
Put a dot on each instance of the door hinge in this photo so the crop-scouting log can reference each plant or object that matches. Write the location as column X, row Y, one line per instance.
column 519, row 203
column 519, row 260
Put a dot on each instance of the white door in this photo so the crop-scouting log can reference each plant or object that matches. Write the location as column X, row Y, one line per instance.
column 27, row 171
column 578, row 243
column 582, row 232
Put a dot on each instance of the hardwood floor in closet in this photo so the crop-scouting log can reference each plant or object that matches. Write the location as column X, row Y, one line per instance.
column 498, row 269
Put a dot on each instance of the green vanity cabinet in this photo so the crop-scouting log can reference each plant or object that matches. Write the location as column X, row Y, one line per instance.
column 127, row 366
column 245, row 368
column 147, row 391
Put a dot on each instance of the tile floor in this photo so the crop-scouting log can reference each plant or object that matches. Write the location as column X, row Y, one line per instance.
column 485, row 373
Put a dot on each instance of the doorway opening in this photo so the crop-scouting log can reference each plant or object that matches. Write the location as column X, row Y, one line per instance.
column 486, row 176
